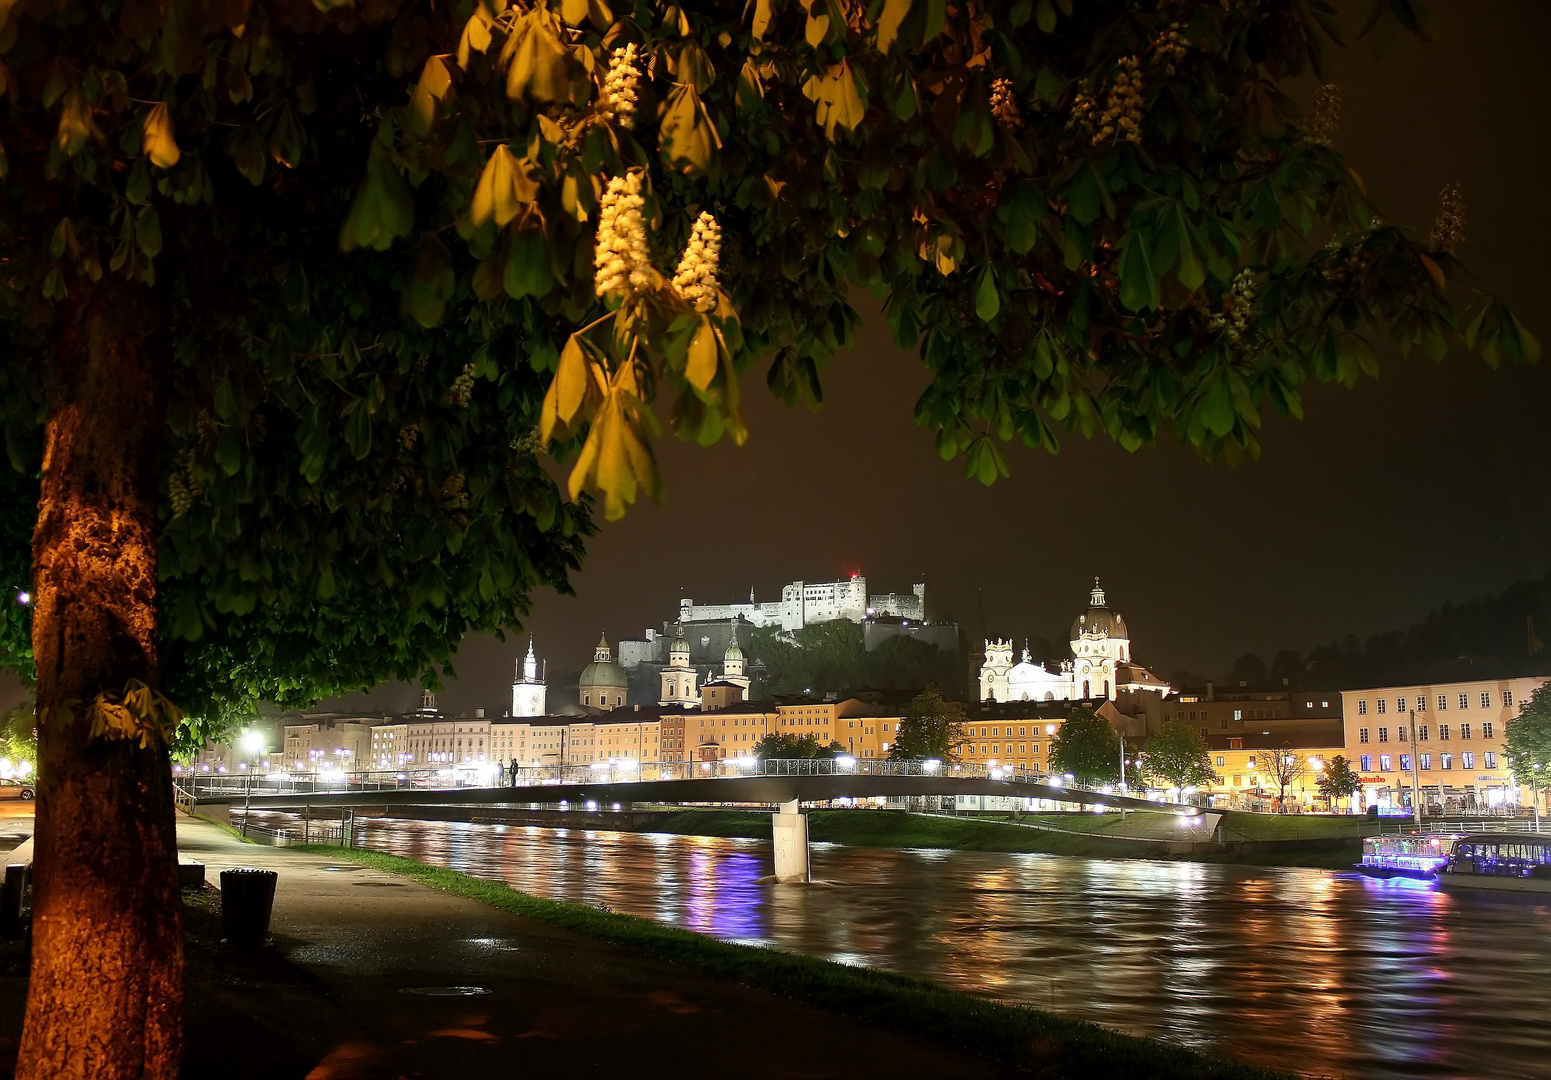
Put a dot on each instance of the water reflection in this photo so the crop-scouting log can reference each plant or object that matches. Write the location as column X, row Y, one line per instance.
column 1297, row 969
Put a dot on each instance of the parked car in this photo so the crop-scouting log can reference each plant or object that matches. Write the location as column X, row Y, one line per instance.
column 22, row 789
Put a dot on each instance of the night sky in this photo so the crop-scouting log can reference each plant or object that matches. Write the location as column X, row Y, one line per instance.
column 1424, row 486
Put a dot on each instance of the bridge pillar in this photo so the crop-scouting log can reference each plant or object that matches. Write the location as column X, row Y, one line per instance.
column 789, row 830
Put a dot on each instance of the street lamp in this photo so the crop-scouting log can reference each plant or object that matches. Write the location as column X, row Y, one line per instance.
column 252, row 747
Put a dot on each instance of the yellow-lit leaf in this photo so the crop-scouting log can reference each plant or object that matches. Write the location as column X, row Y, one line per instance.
column 435, row 81
column 687, row 136
column 1434, row 271
column 156, row 137
column 701, row 364
column 476, row 36
column 495, row 196
column 75, row 121
column 574, row 12
column 894, row 12
column 761, row 18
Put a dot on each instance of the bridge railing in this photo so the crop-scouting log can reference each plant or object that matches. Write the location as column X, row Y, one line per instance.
column 442, row 778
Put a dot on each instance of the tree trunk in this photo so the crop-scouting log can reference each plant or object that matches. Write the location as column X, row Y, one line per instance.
column 106, row 996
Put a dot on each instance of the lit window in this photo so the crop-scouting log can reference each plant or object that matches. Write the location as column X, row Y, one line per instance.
column 1384, row 765
column 1445, row 761
column 1489, row 759
column 1362, row 708
column 1405, row 762
column 1362, row 735
column 1366, row 762
column 1467, row 760
column 1427, row 761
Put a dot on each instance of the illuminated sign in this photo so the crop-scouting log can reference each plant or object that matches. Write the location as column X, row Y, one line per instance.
column 1373, row 780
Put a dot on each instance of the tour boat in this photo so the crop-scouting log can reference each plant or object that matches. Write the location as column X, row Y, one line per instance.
column 1516, row 862
column 1414, row 855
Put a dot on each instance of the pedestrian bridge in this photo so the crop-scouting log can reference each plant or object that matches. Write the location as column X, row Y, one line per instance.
column 784, row 783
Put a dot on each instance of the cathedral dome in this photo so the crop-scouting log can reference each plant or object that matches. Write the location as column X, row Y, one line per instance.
column 603, row 672
column 734, row 651
column 1099, row 620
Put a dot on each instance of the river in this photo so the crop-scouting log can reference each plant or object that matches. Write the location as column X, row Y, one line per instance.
column 1304, row 970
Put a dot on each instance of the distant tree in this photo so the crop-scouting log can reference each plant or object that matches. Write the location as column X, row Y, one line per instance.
column 1178, row 757
column 1288, row 665
column 1338, row 781
column 1249, row 670
column 1087, row 747
column 1527, row 744
column 1282, row 765
column 931, row 728
column 781, row 746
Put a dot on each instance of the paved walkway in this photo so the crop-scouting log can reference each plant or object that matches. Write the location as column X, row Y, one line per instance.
column 353, row 989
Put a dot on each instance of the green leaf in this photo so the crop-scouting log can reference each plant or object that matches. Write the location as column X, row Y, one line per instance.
column 528, row 271
column 987, row 301
column 148, row 231
column 430, row 283
column 384, row 208
column 1138, row 284
column 435, row 81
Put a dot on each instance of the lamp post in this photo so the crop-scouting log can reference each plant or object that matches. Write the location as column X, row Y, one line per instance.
column 1416, row 782
column 252, row 746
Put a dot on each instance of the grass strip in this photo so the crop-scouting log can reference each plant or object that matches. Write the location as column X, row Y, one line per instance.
column 1050, row 1046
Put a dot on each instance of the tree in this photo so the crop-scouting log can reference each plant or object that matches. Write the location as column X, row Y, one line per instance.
column 1178, row 757
column 1527, row 742
column 1087, row 748
column 1282, row 765
column 930, row 729
column 1338, row 781
column 296, row 295
column 780, row 745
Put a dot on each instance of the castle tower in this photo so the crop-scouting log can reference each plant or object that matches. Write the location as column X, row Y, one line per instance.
column 528, row 690
column 678, row 678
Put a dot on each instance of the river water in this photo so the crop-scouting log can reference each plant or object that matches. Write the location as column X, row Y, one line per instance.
column 1303, row 970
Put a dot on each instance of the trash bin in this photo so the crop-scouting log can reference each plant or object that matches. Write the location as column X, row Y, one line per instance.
column 247, row 899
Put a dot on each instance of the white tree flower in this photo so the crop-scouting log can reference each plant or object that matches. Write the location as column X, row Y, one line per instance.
column 621, row 87
column 695, row 279
column 621, row 262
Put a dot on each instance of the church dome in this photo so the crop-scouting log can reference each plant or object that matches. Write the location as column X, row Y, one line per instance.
column 679, row 643
column 603, row 672
column 734, row 651
column 1099, row 620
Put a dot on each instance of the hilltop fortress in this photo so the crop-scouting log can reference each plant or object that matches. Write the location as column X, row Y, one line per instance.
column 804, row 603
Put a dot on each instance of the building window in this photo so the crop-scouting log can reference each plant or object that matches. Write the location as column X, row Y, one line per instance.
column 1443, row 701
column 1427, row 761
column 1383, row 734
column 1464, row 701
column 1421, row 703
column 1405, row 762
column 1443, row 732
column 1203, row 733
column 1489, row 759
column 1400, row 704
column 1366, row 763
column 1224, row 723
column 1384, row 763
column 1508, row 698
column 1362, row 734
column 1464, row 731
column 1446, row 761
column 1238, row 714
column 1467, row 760
column 1362, row 707
column 1238, row 781
column 1421, row 733
column 1486, row 699
column 1486, row 730
column 1220, row 761
column 1382, row 704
